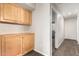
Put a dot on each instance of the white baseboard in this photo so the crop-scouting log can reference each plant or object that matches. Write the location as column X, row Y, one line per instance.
column 57, row 46
column 70, row 39
column 73, row 39
column 40, row 52
column 77, row 42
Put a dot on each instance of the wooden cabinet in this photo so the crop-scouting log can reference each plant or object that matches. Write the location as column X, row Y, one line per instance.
column 11, row 46
column 11, row 13
column 28, row 15
column 20, row 15
column 3, row 46
column 27, row 42
column 16, row 44
column 19, row 44
column 0, row 46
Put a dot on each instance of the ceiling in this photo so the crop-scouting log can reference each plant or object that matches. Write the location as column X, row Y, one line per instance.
column 30, row 6
column 67, row 9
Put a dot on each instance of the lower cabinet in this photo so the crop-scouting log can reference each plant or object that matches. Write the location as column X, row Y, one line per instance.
column 18, row 44
column 11, row 46
column 0, row 46
column 27, row 43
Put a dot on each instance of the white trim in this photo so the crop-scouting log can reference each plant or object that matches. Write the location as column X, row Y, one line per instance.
column 77, row 42
column 57, row 46
column 51, row 30
column 70, row 39
column 40, row 52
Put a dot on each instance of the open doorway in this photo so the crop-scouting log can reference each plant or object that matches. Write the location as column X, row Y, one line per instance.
column 57, row 30
column 65, row 30
column 53, row 18
column 67, row 44
column 53, row 31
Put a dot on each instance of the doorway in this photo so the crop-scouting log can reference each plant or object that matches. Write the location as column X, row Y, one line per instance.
column 69, row 46
column 53, row 17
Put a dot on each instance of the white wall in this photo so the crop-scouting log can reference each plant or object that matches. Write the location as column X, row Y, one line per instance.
column 41, row 27
column 71, row 28
column 30, row 6
column 53, row 27
column 59, row 33
column 78, row 28
column 11, row 28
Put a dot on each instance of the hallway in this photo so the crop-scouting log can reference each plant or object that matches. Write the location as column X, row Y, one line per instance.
column 68, row 48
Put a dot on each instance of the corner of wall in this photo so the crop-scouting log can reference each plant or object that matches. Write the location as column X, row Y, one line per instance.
column 40, row 52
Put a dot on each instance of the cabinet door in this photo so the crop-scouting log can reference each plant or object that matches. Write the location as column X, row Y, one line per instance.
column 30, row 17
column 19, row 44
column 0, row 46
column 1, row 11
column 27, row 17
column 9, row 13
column 27, row 43
column 20, row 15
column 11, row 45
column 3, row 46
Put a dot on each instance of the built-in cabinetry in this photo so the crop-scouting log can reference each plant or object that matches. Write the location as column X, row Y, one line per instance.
column 16, row 44
column 0, row 45
column 12, row 13
column 27, row 45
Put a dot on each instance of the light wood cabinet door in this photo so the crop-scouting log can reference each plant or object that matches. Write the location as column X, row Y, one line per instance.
column 0, row 46
column 3, row 46
column 27, row 43
column 11, row 45
column 9, row 13
column 1, row 11
column 24, row 16
column 19, row 44
column 20, row 15
column 28, row 17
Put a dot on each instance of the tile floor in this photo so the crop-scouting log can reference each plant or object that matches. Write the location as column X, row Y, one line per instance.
column 33, row 53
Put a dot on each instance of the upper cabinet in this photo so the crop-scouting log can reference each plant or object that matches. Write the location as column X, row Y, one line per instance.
column 29, row 13
column 11, row 13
